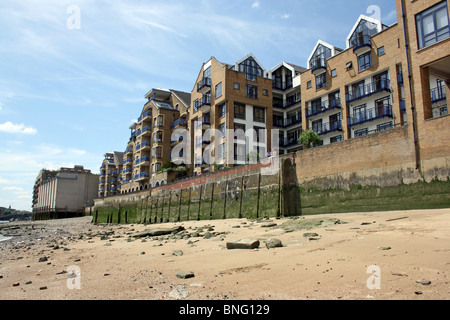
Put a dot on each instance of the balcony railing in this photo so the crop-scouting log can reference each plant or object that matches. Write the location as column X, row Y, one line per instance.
column 438, row 94
column 205, row 82
column 361, row 42
column 206, row 121
column 328, row 127
column 318, row 65
column 282, row 86
column 146, row 114
column 370, row 115
column 287, row 142
column 144, row 159
column 284, row 123
column 179, row 122
column 284, row 104
column 323, row 107
column 368, row 90
column 205, row 101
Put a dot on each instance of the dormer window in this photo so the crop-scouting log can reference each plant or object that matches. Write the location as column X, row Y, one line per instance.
column 251, row 69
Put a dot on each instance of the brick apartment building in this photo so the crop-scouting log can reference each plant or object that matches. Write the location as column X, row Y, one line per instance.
column 385, row 77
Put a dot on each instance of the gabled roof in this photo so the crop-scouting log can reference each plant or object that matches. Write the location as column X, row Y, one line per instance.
column 334, row 50
column 377, row 22
column 236, row 65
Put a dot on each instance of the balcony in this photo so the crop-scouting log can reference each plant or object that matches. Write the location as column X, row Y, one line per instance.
column 323, row 107
column 145, row 115
column 282, row 86
column 361, row 44
column 179, row 122
column 147, row 130
column 438, row 94
column 328, row 128
column 367, row 90
column 370, row 115
column 145, row 145
column 288, row 142
column 204, row 83
column 284, row 104
column 318, row 66
column 145, row 159
column 205, row 101
column 141, row 176
column 285, row 123
column 206, row 122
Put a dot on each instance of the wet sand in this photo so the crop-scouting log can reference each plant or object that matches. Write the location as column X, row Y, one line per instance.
column 394, row 255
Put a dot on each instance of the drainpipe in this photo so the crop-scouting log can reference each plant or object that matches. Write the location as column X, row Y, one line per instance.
column 413, row 108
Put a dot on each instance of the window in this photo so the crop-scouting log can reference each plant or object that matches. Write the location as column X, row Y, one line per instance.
column 252, row 91
column 219, row 90
column 432, row 25
column 222, row 129
column 221, row 151
column 319, row 57
column 317, row 126
column 239, row 111
column 251, row 69
column 237, row 86
column 365, row 61
column 239, row 131
column 308, row 84
column 260, row 134
column 265, row 92
column 359, row 113
column 381, row 51
column 195, row 105
column 384, row 126
column 333, row 73
column 362, row 132
column 239, row 152
column 221, row 110
column 336, row 139
column 321, row 81
column 259, row 114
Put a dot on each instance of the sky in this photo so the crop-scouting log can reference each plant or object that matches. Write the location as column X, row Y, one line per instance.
column 73, row 74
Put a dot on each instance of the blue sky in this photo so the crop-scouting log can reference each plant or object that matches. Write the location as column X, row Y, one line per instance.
column 68, row 96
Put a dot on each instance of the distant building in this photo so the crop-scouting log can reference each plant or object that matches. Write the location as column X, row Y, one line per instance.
column 110, row 179
column 64, row 193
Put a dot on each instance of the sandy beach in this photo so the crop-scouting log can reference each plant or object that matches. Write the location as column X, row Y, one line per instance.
column 396, row 255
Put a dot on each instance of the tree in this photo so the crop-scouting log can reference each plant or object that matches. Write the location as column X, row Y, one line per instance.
column 308, row 139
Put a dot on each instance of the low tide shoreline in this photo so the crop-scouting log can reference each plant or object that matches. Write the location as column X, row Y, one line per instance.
column 378, row 255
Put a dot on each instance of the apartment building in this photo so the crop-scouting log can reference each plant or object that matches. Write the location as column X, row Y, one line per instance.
column 110, row 179
column 225, row 97
column 64, row 193
column 355, row 91
column 149, row 147
column 383, row 77
column 287, row 111
column 426, row 31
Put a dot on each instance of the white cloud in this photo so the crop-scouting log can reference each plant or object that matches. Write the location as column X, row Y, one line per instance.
column 12, row 189
column 286, row 16
column 10, row 127
column 256, row 4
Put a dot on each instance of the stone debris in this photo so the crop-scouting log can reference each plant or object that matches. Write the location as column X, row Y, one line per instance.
column 185, row 274
column 243, row 244
column 273, row 243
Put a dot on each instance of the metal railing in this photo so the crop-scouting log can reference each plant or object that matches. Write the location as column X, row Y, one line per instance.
column 368, row 90
column 370, row 115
